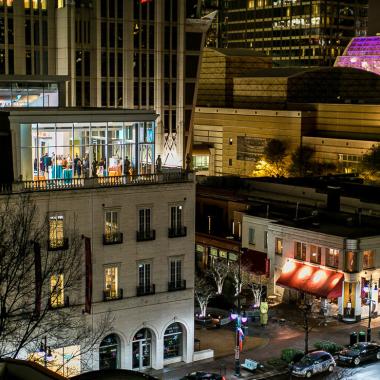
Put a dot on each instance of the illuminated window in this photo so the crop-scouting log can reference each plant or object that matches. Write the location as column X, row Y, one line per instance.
column 332, row 257
column 56, row 232
column 111, row 226
column 26, row 4
column 9, row 3
column 315, row 254
column 60, row 3
column 111, row 281
column 251, row 4
column 300, row 251
column 201, row 162
column 278, row 246
column 56, row 291
column 368, row 259
column 35, row 4
column 43, row 4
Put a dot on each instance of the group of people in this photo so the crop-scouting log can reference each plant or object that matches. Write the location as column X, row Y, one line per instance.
column 53, row 166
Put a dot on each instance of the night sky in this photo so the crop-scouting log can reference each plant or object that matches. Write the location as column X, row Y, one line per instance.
column 374, row 17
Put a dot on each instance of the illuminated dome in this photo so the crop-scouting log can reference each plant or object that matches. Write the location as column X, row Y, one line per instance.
column 361, row 53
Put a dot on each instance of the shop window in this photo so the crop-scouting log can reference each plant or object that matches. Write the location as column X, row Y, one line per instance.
column 173, row 341
column 278, row 246
column 368, row 259
column 111, row 282
column 300, row 251
column 57, row 291
column 109, row 352
column 351, row 264
column 56, row 233
column 315, row 254
column 332, row 257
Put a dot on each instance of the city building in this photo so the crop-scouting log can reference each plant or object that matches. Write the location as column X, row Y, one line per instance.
column 294, row 32
column 361, row 53
column 331, row 109
column 319, row 235
column 139, row 225
column 129, row 54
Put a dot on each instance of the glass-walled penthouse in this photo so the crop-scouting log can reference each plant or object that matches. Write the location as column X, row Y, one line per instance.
column 64, row 144
column 83, row 150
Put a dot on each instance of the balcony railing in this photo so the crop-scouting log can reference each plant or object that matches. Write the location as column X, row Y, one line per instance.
column 58, row 244
column 145, row 290
column 53, row 304
column 177, row 232
column 113, row 238
column 110, row 295
column 176, row 285
column 96, row 182
column 145, row 235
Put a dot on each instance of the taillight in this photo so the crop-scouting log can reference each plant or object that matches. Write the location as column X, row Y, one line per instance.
column 223, row 378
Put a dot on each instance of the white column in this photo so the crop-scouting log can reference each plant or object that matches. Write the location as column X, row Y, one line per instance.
column 358, row 300
column 188, row 346
column 126, row 357
column 158, row 354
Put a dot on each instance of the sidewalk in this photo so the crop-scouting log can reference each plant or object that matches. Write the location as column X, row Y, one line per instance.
column 261, row 345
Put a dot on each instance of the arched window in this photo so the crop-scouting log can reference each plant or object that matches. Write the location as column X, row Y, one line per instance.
column 109, row 352
column 173, row 341
column 142, row 349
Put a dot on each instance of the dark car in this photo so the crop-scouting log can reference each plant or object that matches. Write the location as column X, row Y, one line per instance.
column 359, row 352
column 203, row 376
column 315, row 362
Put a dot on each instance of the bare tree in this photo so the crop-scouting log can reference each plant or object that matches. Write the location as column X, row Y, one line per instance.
column 35, row 285
column 219, row 272
column 203, row 293
column 311, row 317
column 243, row 281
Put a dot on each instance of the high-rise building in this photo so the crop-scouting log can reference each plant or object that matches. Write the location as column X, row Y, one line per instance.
column 140, row 54
column 293, row 32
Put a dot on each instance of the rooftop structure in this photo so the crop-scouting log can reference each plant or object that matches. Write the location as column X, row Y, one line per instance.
column 361, row 53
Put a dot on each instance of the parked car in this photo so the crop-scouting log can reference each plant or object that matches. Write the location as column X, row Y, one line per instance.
column 359, row 352
column 315, row 362
column 203, row 376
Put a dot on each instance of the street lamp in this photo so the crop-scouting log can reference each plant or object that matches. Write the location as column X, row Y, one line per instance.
column 45, row 351
column 368, row 289
column 240, row 319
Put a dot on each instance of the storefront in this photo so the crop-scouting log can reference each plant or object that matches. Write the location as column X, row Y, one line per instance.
column 173, row 342
column 109, row 352
column 65, row 144
column 142, row 350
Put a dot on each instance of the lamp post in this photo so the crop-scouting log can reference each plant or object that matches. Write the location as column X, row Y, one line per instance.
column 240, row 319
column 370, row 301
column 45, row 351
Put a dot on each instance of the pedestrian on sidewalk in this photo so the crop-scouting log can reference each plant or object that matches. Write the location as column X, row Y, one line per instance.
column 264, row 313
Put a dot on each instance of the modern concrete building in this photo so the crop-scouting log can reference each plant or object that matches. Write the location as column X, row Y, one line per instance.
column 332, row 110
column 131, row 54
column 293, row 32
column 139, row 227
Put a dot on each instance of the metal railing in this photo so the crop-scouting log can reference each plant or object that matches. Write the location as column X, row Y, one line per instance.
column 177, row 232
column 176, row 285
column 58, row 244
column 145, row 235
column 110, row 295
column 96, row 182
column 113, row 238
column 145, row 290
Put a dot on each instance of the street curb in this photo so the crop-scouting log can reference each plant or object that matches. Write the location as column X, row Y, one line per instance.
column 268, row 375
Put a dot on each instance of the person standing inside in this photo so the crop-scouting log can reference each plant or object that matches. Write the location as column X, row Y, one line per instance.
column 264, row 313
column 127, row 166
column 158, row 164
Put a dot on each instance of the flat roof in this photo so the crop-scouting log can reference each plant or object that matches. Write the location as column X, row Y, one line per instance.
column 66, row 114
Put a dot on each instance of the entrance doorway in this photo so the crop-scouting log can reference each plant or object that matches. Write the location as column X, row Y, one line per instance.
column 142, row 350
